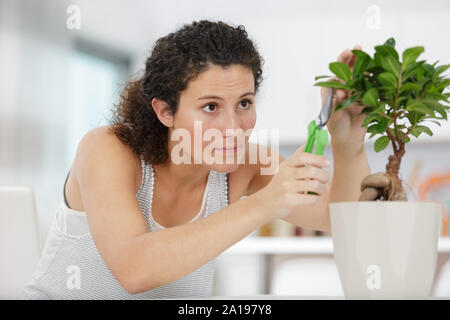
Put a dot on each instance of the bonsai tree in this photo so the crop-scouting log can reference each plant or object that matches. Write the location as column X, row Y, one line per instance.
column 400, row 99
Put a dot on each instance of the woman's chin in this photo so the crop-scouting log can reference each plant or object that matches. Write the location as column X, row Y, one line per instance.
column 226, row 162
column 225, row 167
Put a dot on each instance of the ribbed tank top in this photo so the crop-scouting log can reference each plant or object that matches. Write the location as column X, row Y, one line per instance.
column 71, row 267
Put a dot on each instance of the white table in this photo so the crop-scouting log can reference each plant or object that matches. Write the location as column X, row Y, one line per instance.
column 307, row 246
column 298, row 245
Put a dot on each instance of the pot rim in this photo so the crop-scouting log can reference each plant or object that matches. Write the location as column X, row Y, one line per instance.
column 384, row 205
column 387, row 202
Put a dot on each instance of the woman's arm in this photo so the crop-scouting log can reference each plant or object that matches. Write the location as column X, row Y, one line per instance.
column 350, row 161
column 142, row 260
column 178, row 251
column 349, row 168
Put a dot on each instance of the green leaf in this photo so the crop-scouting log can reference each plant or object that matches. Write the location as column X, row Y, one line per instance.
column 360, row 53
column 436, row 106
column 388, row 79
column 331, row 84
column 321, row 77
column 400, row 101
column 410, row 86
column 343, row 104
column 381, row 126
column 442, row 85
column 375, row 70
column 429, row 69
column 370, row 98
column 410, row 55
column 411, row 70
column 386, row 51
column 361, row 64
column 434, row 64
column 381, row 143
column 377, row 57
column 420, row 71
column 377, row 128
column 440, row 70
column 390, row 42
column 381, row 109
column 366, row 84
column 347, row 102
column 371, row 117
column 366, row 110
column 372, row 128
column 426, row 130
column 434, row 122
column 357, row 83
column 341, row 70
column 419, row 106
column 392, row 65
column 415, row 117
column 387, row 93
column 416, row 131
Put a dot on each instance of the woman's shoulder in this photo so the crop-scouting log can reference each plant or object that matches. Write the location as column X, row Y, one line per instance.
column 100, row 144
column 103, row 137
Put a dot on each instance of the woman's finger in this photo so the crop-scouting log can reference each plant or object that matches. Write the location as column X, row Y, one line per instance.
column 345, row 56
column 348, row 57
column 353, row 58
column 340, row 95
column 311, row 172
column 300, row 159
column 303, row 186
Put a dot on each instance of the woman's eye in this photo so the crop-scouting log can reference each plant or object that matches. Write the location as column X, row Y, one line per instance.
column 207, row 108
column 247, row 103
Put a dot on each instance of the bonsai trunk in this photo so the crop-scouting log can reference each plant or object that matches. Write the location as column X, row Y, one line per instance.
column 386, row 186
column 394, row 191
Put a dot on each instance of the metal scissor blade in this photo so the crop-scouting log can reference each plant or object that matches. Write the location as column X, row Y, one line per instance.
column 327, row 105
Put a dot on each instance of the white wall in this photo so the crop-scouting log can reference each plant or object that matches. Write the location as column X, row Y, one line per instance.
column 34, row 102
column 298, row 39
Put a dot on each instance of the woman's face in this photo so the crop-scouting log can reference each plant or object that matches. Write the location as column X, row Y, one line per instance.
column 217, row 100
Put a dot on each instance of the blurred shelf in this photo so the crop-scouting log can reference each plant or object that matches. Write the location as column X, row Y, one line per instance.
column 298, row 245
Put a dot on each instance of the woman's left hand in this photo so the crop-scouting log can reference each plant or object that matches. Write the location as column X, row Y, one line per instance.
column 345, row 125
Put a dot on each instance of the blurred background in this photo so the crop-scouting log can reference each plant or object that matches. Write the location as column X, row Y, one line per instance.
column 64, row 63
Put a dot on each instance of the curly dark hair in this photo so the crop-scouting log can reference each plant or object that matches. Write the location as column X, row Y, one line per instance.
column 176, row 59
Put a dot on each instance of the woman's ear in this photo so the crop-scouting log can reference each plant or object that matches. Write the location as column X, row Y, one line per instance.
column 163, row 112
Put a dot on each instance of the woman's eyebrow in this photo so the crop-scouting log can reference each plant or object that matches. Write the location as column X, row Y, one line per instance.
column 220, row 98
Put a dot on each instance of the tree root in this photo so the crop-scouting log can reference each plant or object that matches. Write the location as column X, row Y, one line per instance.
column 381, row 186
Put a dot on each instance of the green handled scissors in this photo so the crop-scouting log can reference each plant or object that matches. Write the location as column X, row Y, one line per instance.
column 317, row 135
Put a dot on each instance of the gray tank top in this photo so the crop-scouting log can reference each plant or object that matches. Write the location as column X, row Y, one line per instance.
column 71, row 267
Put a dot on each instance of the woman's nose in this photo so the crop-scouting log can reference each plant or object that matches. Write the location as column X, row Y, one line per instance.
column 231, row 121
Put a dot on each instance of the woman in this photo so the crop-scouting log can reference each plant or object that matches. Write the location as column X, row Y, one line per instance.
column 136, row 225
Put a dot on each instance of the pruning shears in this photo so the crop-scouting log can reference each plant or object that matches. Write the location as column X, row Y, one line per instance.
column 317, row 135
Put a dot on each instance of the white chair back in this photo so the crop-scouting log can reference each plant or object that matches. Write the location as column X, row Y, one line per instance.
column 19, row 239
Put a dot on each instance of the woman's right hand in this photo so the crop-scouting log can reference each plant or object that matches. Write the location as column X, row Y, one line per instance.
column 297, row 175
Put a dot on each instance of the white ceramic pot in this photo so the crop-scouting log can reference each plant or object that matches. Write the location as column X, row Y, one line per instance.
column 386, row 249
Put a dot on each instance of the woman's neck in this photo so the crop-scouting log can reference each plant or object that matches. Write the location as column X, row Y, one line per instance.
column 181, row 178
